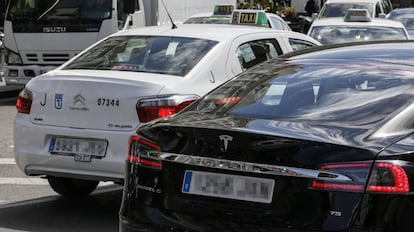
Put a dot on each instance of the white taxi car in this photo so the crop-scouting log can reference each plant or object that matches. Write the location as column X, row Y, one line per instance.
column 356, row 26
column 73, row 123
column 221, row 15
column 338, row 8
column 261, row 18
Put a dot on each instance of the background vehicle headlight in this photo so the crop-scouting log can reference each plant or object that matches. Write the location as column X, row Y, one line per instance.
column 13, row 58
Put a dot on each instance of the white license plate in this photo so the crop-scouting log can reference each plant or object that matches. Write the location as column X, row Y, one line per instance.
column 82, row 158
column 228, row 186
column 80, row 147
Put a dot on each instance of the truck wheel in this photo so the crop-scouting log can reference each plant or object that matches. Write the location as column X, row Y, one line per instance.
column 72, row 187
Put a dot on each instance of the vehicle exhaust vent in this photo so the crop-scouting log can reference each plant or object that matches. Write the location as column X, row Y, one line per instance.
column 56, row 58
column 32, row 57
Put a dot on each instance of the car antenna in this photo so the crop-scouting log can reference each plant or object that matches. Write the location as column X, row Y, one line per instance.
column 169, row 16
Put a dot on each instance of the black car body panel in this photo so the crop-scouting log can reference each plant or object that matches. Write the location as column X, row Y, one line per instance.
column 345, row 163
column 292, row 194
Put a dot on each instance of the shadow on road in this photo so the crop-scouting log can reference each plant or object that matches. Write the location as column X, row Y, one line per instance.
column 11, row 101
column 97, row 212
column 8, row 98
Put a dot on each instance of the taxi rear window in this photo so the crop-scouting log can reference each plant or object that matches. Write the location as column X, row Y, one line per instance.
column 151, row 54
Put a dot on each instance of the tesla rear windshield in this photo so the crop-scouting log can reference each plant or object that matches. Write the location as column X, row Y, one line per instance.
column 150, row 54
column 346, row 92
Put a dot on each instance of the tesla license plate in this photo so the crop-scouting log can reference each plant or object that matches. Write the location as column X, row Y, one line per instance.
column 81, row 149
column 228, row 186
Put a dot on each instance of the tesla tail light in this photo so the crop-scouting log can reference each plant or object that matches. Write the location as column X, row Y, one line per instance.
column 384, row 177
column 24, row 101
column 144, row 152
column 149, row 109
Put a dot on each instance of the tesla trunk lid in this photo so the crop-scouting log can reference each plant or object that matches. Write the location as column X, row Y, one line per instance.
column 228, row 154
column 90, row 102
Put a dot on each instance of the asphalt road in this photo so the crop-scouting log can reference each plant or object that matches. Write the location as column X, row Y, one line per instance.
column 52, row 213
column 29, row 204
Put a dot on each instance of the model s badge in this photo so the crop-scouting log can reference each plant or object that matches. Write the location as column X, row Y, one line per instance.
column 226, row 139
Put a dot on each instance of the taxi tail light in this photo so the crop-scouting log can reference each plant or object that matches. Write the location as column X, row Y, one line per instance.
column 149, row 109
column 144, row 152
column 24, row 101
column 385, row 177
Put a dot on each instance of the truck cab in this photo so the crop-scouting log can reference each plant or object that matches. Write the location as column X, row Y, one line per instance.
column 43, row 34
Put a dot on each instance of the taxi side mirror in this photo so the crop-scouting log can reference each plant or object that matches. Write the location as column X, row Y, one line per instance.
column 314, row 16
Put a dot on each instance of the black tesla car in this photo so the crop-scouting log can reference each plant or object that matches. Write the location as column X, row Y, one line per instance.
column 316, row 141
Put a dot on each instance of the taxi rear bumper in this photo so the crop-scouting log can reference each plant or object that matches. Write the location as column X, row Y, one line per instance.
column 31, row 148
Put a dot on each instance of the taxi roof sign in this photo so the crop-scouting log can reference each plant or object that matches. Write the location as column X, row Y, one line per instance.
column 223, row 9
column 249, row 17
column 357, row 15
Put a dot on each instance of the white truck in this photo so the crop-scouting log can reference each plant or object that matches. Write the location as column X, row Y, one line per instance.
column 40, row 35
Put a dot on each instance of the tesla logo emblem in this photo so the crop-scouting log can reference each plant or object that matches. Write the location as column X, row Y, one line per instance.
column 226, row 139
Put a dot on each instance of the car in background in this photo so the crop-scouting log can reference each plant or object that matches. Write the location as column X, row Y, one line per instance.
column 312, row 141
column 338, row 8
column 252, row 17
column 405, row 16
column 261, row 17
column 356, row 26
column 220, row 15
column 277, row 22
column 207, row 18
column 73, row 123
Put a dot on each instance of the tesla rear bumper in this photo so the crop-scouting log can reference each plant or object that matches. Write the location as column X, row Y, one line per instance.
column 153, row 220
